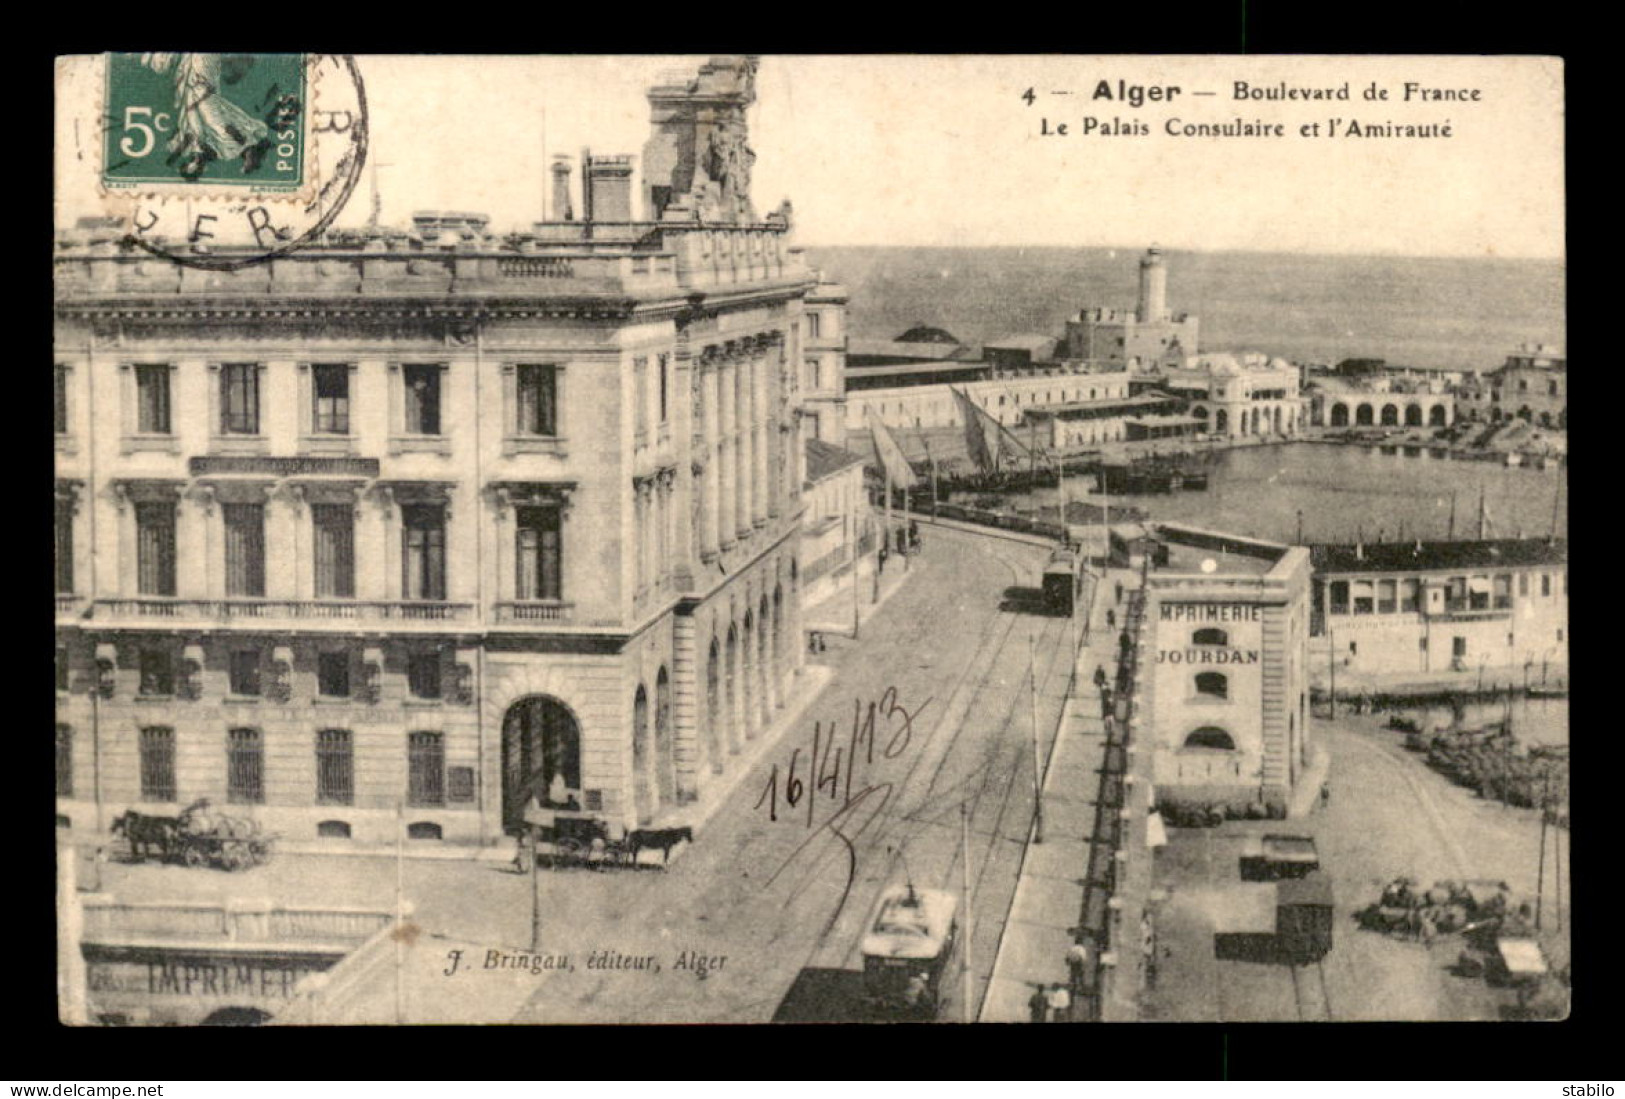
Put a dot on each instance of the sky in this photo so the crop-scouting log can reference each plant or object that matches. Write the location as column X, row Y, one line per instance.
column 945, row 150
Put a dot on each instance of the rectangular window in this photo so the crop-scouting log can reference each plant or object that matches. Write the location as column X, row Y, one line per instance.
column 665, row 370
column 538, row 400
column 157, row 764
column 333, row 675
column 1545, row 584
column 334, row 541
column 426, row 769
column 1386, row 596
column 64, row 547
column 157, row 672
column 1410, row 594
column 60, row 417
column 423, row 551
column 422, row 399
column 1503, row 591
column 1523, row 583
column 64, row 667
column 64, row 761
column 245, row 548
column 245, row 673
column 245, row 767
column 152, row 398
column 813, row 325
column 335, row 767
column 815, row 379
column 330, row 382
column 1363, row 600
column 423, row 675
column 537, row 553
column 155, row 548
column 1340, row 596
column 640, row 394
column 240, row 399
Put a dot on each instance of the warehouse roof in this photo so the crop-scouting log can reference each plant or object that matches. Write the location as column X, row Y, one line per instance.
column 1416, row 556
column 825, row 459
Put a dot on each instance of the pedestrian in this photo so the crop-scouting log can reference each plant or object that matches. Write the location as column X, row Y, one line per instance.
column 1119, row 591
column 1100, row 676
column 881, row 558
column 1077, row 961
column 1038, row 1004
column 1060, row 1003
column 1111, row 618
column 1325, row 793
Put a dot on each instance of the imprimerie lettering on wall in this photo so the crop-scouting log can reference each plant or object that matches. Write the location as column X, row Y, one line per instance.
column 1212, row 612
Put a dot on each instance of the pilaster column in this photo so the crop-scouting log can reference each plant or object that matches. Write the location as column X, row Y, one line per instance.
column 740, row 368
column 712, row 477
column 728, row 451
column 197, row 546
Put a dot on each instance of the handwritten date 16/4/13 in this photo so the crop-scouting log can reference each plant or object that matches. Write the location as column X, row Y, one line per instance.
column 830, row 768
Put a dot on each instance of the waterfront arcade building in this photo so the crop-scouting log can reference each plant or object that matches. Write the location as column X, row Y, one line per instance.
column 1381, row 402
column 401, row 530
column 1227, row 642
column 1436, row 607
column 1238, row 396
column 1149, row 335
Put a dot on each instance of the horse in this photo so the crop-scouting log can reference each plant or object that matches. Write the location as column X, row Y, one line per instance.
column 142, row 831
column 663, row 838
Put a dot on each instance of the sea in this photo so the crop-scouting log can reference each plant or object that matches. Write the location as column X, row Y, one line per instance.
column 1451, row 313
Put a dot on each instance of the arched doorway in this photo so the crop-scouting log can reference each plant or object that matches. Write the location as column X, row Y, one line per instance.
column 1390, row 415
column 764, row 665
column 747, row 676
column 730, row 690
column 713, row 707
column 1278, row 420
column 642, row 794
column 1221, row 421
column 1413, row 415
column 1340, row 415
column 540, row 740
column 1437, row 415
column 780, row 648
column 665, row 763
column 1362, row 415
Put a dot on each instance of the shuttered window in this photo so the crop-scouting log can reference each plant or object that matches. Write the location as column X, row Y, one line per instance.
column 335, row 767
column 64, row 547
column 331, row 384
column 152, row 398
column 334, row 540
column 240, row 399
column 245, row 548
column 537, row 553
column 538, row 400
column 426, row 769
column 423, row 675
column 423, row 552
column 422, row 399
column 155, row 548
column 157, row 764
column 245, row 767
column 64, row 761
column 245, row 673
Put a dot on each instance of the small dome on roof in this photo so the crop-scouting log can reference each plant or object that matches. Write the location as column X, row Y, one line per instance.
column 922, row 333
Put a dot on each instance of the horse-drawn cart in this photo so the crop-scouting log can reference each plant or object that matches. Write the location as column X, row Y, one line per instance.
column 570, row 837
column 197, row 837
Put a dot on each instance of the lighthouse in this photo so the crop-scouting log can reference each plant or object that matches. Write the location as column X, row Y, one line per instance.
column 1153, row 288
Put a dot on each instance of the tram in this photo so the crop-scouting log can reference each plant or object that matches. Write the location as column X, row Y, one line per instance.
column 1063, row 581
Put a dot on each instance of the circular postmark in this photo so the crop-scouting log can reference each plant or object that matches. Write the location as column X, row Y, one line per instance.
column 220, row 161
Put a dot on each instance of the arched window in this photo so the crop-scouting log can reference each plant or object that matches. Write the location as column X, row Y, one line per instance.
column 1213, row 684
column 665, row 778
column 1211, row 737
column 640, row 755
column 1211, row 635
column 713, row 706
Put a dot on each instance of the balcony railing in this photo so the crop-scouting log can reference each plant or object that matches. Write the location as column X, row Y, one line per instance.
column 69, row 605
column 525, row 611
column 285, row 609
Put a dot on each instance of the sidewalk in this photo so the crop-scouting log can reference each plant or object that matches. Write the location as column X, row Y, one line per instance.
column 833, row 614
column 1049, row 894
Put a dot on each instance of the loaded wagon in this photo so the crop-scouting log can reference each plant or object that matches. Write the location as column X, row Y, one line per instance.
column 1303, row 917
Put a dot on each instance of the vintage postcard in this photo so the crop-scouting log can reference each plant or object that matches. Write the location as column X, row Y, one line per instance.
column 748, row 539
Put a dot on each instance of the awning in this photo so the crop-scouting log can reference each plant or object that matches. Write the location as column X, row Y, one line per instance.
column 1156, row 833
column 1479, row 585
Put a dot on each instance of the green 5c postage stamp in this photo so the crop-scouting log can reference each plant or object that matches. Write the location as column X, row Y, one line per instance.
column 206, row 120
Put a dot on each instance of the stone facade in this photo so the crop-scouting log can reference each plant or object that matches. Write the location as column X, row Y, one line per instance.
column 430, row 520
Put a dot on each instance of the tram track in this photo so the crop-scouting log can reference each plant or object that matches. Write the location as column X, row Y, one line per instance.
column 995, row 773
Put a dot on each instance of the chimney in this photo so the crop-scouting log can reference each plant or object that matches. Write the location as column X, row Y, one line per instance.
column 561, row 189
column 607, row 188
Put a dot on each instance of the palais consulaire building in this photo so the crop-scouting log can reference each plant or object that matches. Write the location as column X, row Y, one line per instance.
column 399, row 529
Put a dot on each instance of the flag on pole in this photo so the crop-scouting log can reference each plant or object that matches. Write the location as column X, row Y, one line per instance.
column 981, row 443
column 892, row 460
